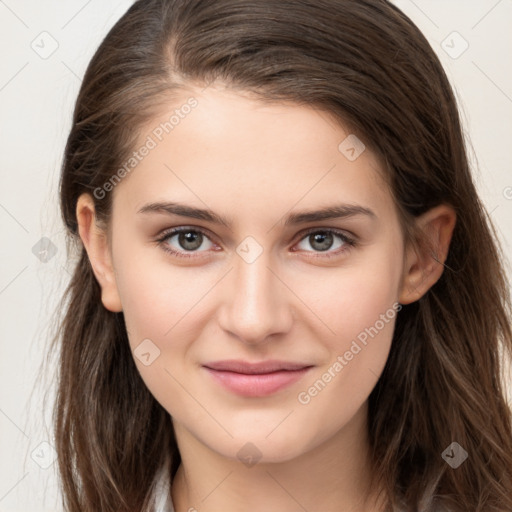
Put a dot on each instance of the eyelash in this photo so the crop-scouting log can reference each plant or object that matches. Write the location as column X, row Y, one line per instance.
column 348, row 241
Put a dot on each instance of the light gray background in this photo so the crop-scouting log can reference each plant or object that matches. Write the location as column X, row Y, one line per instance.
column 37, row 92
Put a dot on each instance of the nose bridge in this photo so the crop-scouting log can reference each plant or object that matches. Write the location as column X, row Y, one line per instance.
column 255, row 306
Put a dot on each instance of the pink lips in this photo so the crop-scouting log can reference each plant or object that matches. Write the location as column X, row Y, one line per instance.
column 256, row 379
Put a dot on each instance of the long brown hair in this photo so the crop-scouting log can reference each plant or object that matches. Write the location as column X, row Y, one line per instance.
column 367, row 64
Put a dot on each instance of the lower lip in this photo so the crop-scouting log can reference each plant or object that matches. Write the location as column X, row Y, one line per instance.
column 262, row 384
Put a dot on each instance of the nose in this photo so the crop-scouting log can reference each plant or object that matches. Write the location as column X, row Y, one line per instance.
column 256, row 303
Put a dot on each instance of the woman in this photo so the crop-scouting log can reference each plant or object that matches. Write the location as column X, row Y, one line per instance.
column 288, row 295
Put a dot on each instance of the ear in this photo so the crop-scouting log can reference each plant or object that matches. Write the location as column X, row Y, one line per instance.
column 95, row 241
column 424, row 263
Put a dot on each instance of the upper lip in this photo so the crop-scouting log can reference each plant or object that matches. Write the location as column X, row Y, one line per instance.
column 239, row 366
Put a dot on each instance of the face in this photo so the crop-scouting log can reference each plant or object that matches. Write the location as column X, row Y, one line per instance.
column 261, row 278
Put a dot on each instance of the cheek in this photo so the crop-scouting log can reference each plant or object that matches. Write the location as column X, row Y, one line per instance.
column 351, row 298
column 357, row 355
column 156, row 296
column 156, row 304
column 359, row 305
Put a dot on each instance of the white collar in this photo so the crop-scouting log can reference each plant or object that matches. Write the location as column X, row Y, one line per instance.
column 163, row 499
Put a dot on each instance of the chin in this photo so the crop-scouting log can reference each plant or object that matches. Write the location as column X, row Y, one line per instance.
column 257, row 448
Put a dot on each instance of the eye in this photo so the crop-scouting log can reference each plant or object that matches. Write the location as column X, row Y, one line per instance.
column 322, row 240
column 185, row 240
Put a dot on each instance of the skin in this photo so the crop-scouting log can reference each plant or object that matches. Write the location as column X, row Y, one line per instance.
column 257, row 162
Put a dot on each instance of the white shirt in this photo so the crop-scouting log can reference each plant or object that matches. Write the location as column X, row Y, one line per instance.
column 163, row 499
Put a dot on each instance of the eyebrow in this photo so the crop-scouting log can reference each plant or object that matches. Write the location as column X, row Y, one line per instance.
column 337, row 211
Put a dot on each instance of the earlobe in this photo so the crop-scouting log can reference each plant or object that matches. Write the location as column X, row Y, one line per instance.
column 424, row 264
column 95, row 241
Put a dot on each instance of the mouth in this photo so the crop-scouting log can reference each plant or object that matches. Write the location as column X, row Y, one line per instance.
column 256, row 379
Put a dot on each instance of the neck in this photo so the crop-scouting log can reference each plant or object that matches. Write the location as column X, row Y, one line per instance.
column 332, row 477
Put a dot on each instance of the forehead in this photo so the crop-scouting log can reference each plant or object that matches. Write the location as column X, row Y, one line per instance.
column 238, row 154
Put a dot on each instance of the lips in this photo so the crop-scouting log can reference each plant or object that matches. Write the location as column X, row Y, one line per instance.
column 256, row 379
